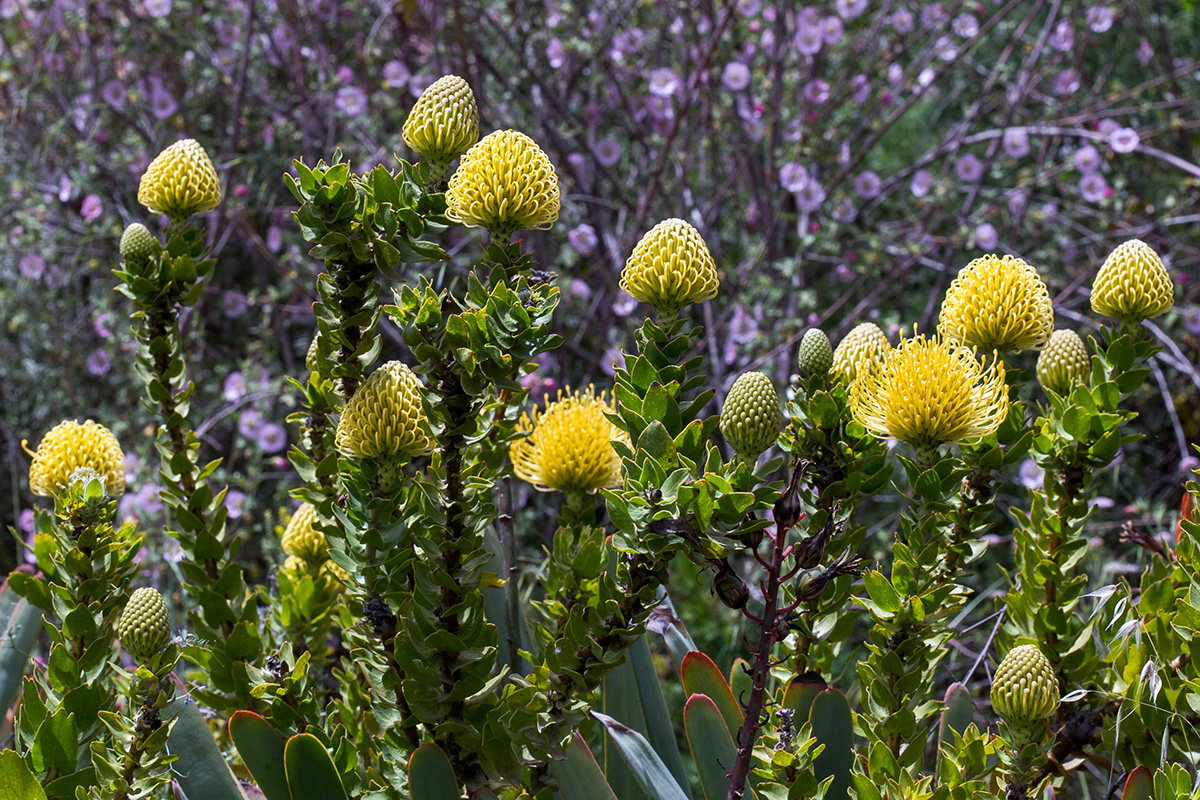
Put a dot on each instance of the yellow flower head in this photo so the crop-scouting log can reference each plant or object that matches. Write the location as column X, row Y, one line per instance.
column 327, row 576
column 385, row 419
column 180, row 182
column 930, row 392
column 1024, row 689
column 750, row 417
column 670, row 268
column 302, row 539
column 1064, row 362
column 865, row 341
column 443, row 124
column 997, row 303
column 569, row 445
column 69, row 446
column 504, row 183
column 1133, row 284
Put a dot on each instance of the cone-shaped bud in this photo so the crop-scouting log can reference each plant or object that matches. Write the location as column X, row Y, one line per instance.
column 69, row 446
column 997, row 303
column 1133, row 284
column 503, row 184
column 1064, row 362
column 385, row 419
column 443, row 124
column 1024, row 690
column 670, row 268
column 930, row 392
column 751, row 419
column 144, row 627
column 302, row 539
column 310, row 358
column 731, row 589
column 180, row 182
column 137, row 244
column 815, row 356
column 864, row 341
column 568, row 446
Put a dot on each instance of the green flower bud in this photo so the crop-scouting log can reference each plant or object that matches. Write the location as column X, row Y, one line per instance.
column 180, row 182
column 1133, row 284
column 815, row 356
column 443, row 124
column 1024, row 690
column 144, row 627
column 751, row 419
column 1064, row 362
column 865, row 341
column 137, row 244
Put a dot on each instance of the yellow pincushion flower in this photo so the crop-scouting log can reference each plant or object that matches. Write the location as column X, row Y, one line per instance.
column 569, row 445
column 443, row 123
column 302, row 539
column 503, row 184
column 865, row 341
column 997, row 303
column 670, row 268
column 384, row 419
column 180, row 182
column 70, row 445
column 930, row 392
column 1133, row 284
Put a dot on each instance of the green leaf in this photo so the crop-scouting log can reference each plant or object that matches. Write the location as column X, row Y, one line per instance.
column 701, row 676
column 310, row 770
column 711, row 745
column 832, row 726
column 800, row 693
column 16, row 780
column 261, row 749
column 430, row 776
column 649, row 770
column 879, row 588
column 56, row 745
column 659, row 727
column 579, row 777
column 16, row 644
column 958, row 714
column 1139, row 785
column 200, row 769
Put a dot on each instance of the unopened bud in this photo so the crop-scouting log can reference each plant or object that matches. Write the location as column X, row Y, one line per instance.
column 730, row 588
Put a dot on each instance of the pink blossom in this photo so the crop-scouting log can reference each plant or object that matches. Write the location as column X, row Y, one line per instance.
column 608, row 152
column 922, row 181
column 98, row 363
column 986, row 236
column 272, row 438
column 851, row 9
column 583, row 239
column 793, row 176
column 902, row 20
column 1124, row 140
column 965, row 25
column 816, row 91
column 1093, row 187
column 831, row 29
column 396, row 73
column 1016, row 142
column 867, row 184
column 969, row 168
column 749, row 8
column 1145, row 53
column 1066, row 83
column 1087, row 159
column 808, row 39
column 351, row 100
column 1063, row 38
column 157, row 8
column 1100, row 18
column 663, row 82
column 555, row 53
column 810, row 196
column 735, row 76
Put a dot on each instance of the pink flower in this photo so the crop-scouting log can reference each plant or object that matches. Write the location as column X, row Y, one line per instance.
column 1093, row 187
column 1016, row 142
column 831, row 29
column 1087, row 159
column 902, row 20
column 272, row 438
column 98, row 363
column 922, row 181
column 965, row 25
column 867, row 184
column 608, row 152
column 157, row 8
column 1063, row 38
column 816, row 91
column 735, row 76
column 664, row 82
column 986, row 236
column 583, row 239
column 1100, row 18
column 793, row 177
column 91, row 209
column 808, row 39
column 555, row 53
column 851, row 9
column 969, row 168
column 351, row 100
column 1066, row 83
column 1145, row 53
column 810, row 196
column 396, row 73
column 32, row 266
column 1124, row 140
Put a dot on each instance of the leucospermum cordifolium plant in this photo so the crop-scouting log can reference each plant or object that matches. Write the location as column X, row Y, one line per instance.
column 403, row 650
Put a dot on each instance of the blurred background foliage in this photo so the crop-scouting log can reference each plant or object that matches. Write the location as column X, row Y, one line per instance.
column 843, row 160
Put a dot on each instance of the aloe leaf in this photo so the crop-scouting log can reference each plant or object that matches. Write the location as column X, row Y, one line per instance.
column 261, row 749
column 649, row 770
column 800, row 693
column 620, row 700
column 701, row 676
column 430, row 776
column 740, row 681
column 16, row 644
column 711, row 745
column 579, row 777
column 958, row 714
column 311, row 773
column 1139, row 785
column 659, row 729
column 16, row 780
column 200, row 769
column 832, row 726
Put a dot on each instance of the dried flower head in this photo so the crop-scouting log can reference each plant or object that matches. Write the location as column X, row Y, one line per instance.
column 443, row 124
column 70, row 445
column 930, row 392
column 568, row 447
column 144, row 627
column 815, row 356
column 750, row 418
column 865, row 341
column 1133, row 284
column 302, row 539
column 385, row 419
column 1024, row 690
column 180, row 182
column 504, row 183
column 997, row 303
column 670, row 268
column 1064, row 362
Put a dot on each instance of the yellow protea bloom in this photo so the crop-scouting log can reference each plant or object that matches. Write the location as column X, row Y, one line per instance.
column 385, row 419
column 180, row 182
column 997, row 303
column 70, row 445
column 1064, row 362
column 302, row 539
column 670, row 268
column 865, row 341
column 327, row 575
column 503, row 184
column 443, row 124
column 930, row 392
column 1133, row 284
column 568, row 446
